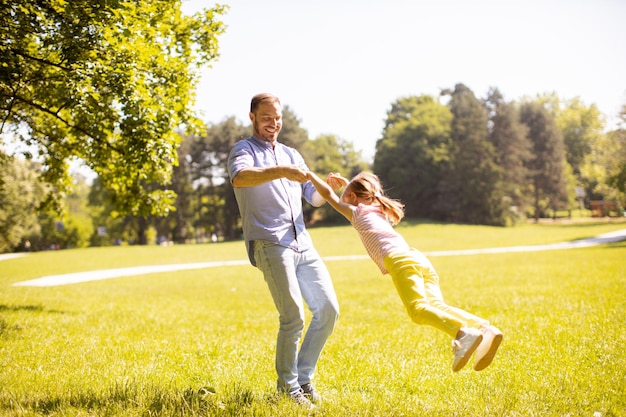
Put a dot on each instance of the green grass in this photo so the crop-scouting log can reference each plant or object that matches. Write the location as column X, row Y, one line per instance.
column 146, row 345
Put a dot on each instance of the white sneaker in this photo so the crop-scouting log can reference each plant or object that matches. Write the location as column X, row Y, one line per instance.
column 488, row 347
column 464, row 345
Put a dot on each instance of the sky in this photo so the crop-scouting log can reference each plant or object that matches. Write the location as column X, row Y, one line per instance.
column 340, row 64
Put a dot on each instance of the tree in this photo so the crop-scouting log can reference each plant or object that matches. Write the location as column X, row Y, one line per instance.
column 513, row 151
column 617, row 165
column 413, row 152
column 588, row 150
column 617, row 168
column 580, row 125
column 330, row 153
column 215, row 208
column 471, row 190
column 109, row 227
column 548, row 165
column 105, row 82
column 20, row 196
column 604, row 167
column 292, row 134
column 178, row 222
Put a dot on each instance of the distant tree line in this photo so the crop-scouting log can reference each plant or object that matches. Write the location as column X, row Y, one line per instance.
column 452, row 158
column 496, row 162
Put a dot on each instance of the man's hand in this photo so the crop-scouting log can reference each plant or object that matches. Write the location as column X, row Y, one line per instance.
column 295, row 173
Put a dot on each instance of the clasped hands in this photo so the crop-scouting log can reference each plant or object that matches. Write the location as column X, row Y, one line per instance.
column 300, row 174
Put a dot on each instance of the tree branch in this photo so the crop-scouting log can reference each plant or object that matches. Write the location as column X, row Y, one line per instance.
column 68, row 124
column 40, row 60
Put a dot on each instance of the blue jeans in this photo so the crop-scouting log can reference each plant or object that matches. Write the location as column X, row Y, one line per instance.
column 291, row 277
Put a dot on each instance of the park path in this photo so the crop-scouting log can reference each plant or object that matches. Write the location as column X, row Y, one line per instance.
column 78, row 277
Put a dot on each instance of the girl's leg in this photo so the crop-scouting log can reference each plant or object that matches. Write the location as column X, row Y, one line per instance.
column 418, row 286
column 435, row 298
column 491, row 336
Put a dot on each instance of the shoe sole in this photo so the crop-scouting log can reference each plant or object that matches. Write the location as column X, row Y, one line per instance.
column 460, row 364
column 485, row 361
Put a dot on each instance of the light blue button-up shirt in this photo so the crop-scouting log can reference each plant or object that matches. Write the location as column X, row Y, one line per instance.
column 271, row 211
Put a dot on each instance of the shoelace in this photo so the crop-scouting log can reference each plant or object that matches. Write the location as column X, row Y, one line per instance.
column 456, row 345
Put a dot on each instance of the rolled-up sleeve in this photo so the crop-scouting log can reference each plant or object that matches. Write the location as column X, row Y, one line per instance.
column 240, row 157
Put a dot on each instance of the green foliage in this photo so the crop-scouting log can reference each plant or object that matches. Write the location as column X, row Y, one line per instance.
column 20, row 196
column 615, row 158
column 106, row 82
column 488, row 163
column 616, row 161
column 580, row 125
column 548, row 167
column 471, row 190
column 202, row 184
column 330, row 154
column 292, row 134
column 513, row 153
column 591, row 153
column 190, row 344
column 108, row 225
column 22, row 219
column 414, row 152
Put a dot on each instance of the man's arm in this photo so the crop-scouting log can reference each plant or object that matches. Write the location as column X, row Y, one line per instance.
column 252, row 176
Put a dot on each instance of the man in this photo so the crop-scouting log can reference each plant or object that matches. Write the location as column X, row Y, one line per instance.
column 270, row 180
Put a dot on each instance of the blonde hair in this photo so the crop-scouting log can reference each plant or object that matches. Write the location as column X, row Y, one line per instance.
column 367, row 185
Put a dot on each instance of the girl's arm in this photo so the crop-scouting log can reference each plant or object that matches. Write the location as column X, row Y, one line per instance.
column 329, row 195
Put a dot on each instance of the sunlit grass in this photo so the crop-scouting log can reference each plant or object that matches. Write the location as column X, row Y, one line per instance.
column 146, row 345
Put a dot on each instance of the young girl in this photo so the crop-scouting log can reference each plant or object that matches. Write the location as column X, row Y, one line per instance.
column 373, row 215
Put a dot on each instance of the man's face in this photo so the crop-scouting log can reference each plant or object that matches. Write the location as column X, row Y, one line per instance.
column 267, row 121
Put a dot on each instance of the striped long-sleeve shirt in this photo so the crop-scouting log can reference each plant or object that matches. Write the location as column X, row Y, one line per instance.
column 377, row 234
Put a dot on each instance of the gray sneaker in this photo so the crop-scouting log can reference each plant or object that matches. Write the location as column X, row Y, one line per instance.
column 492, row 337
column 464, row 345
column 299, row 398
column 311, row 393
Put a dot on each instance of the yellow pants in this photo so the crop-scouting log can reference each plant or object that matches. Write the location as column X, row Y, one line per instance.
column 417, row 283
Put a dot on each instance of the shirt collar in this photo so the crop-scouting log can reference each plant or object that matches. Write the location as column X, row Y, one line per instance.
column 262, row 142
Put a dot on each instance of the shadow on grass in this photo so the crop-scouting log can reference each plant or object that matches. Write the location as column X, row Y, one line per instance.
column 616, row 245
column 6, row 327
column 129, row 398
column 32, row 308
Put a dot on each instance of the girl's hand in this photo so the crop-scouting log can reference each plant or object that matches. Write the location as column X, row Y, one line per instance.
column 336, row 181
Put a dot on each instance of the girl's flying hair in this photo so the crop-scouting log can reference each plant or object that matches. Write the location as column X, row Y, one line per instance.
column 368, row 186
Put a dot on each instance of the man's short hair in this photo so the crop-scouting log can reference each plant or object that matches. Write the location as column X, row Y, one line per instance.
column 260, row 98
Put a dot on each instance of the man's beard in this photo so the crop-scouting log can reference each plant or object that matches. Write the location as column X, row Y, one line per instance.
column 269, row 137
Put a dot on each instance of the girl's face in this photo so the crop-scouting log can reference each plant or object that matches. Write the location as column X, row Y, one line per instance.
column 351, row 197
column 348, row 196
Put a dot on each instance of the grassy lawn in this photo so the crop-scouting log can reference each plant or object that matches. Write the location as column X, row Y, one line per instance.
column 147, row 345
